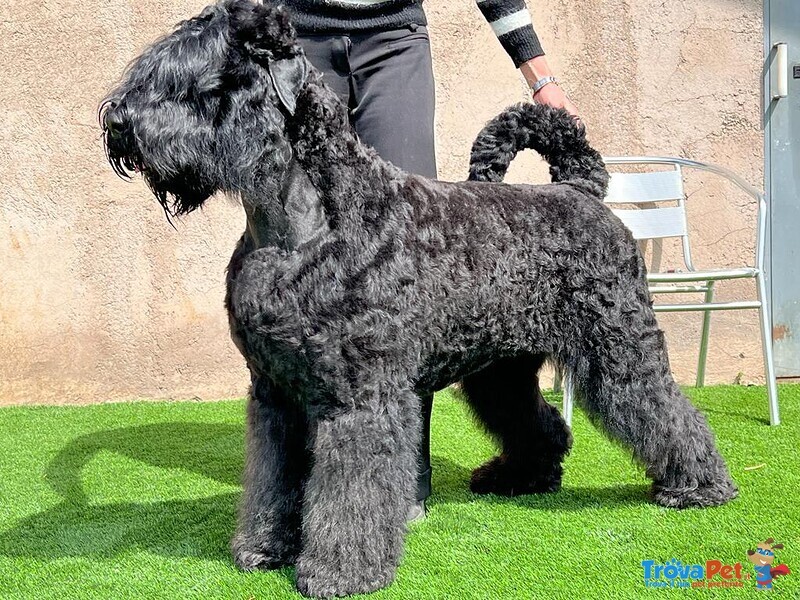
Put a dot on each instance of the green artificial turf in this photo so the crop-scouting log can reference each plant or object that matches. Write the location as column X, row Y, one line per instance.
column 137, row 500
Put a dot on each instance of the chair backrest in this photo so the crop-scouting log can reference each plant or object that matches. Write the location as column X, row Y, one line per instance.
column 649, row 219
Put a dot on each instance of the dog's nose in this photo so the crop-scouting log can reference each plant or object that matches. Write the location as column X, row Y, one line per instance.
column 114, row 121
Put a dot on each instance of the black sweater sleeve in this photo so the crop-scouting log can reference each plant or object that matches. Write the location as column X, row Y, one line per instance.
column 511, row 22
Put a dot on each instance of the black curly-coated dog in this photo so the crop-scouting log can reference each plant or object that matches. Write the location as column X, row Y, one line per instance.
column 357, row 287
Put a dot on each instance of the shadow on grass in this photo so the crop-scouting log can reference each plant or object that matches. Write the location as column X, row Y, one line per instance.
column 202, row 527
column 213, row 450
column 451, row 486
column 191, row 527
column 737, row 414
column 176, row 528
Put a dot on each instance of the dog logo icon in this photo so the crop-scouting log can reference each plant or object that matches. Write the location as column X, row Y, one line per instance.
column 762, row 558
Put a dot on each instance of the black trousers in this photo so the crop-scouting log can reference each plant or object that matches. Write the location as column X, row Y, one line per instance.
column 386, row 79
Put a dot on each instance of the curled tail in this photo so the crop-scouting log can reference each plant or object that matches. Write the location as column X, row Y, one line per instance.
column 551, row 132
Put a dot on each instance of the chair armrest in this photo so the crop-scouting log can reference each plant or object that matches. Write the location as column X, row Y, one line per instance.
column 685, row 162
column 742, row 184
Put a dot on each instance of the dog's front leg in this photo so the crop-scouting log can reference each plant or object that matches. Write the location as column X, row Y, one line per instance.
column 358, row 493
column 276, row 462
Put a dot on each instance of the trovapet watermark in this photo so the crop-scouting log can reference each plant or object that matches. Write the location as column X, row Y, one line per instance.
column 715, row 573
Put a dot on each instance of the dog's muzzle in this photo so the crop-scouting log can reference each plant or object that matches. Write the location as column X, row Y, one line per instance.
column 114, row 122
column 113, row 116
column 120, row 148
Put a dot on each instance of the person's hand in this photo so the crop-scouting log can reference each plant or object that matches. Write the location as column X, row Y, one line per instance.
column 554, row 96
column 551, row 94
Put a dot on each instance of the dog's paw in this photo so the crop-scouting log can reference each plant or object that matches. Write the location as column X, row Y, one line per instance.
column 322, row 582
column 714, row 494
column 250, row 557
column 506, row 478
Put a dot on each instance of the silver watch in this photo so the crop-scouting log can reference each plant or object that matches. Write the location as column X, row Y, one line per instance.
column 543, row 82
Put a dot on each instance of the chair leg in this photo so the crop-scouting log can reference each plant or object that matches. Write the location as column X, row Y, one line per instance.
column 701, row 361
column 568, row 403
column 766, row 345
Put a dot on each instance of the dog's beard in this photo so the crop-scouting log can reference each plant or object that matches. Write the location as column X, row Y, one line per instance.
column 180, row 196
column 124, row 161
column 124, row 165
column 120, row 152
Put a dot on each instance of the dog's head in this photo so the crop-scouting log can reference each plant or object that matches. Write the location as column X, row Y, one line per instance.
column 764, row 554
column 205, row 108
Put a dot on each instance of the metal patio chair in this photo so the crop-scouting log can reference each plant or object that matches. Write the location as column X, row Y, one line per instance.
column 650, row 220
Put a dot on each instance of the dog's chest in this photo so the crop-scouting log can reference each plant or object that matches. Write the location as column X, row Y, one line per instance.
column 296, row 316
column 265, row 316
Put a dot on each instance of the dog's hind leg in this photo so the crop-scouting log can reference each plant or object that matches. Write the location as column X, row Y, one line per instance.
column 532, row 436
column 361, row 485
column 622, row 371
column 276, row 462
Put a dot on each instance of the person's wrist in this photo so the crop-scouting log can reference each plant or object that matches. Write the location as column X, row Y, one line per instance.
column 538, row 86
column 535, row 69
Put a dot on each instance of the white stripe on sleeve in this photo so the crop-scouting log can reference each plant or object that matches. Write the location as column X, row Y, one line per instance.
column 504, row 25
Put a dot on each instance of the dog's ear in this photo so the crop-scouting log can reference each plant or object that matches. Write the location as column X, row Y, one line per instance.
column 288, row 76
column 264, row 31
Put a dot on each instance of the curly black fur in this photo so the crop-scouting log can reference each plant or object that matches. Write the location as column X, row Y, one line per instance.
column 551, row 132
column 534, row 439
column 356, row 288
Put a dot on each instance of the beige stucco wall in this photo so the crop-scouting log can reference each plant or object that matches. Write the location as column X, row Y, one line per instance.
column 100, row 299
